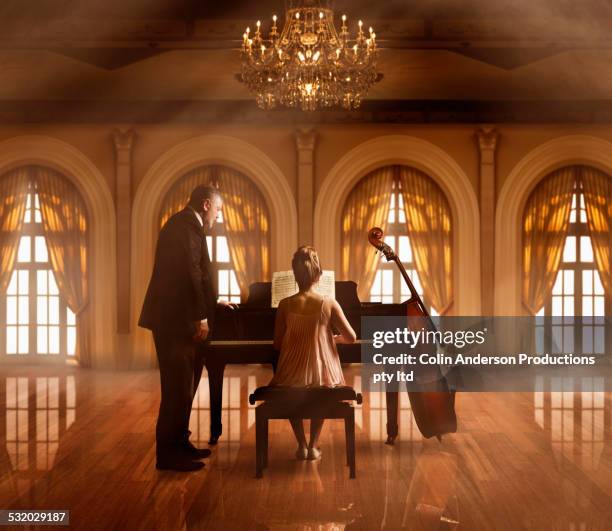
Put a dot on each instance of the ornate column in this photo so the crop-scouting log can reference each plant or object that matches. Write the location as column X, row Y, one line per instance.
column 123, row 140
column 487, row 141
column 305, row 143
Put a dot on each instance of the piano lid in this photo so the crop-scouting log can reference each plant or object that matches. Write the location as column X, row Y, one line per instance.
column 260, row 294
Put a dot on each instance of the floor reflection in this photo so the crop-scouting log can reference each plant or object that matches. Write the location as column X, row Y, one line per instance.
column 432, row 501
column 571, row 411
column 236, row 390
column 38, row 411
column 520, row 460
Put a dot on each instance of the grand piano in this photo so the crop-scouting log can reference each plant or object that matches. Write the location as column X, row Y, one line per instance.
column 244, row 335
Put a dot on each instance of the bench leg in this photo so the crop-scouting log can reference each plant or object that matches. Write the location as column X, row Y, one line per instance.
column 259, row 443
column 265, row 443
column 347, row 437
column 350, row 423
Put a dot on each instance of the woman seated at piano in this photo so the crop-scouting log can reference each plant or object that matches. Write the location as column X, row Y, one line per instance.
column 304, row 336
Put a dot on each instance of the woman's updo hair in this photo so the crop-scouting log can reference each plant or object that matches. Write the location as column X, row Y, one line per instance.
column 306, row 266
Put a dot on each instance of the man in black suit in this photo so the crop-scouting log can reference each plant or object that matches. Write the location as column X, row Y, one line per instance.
column 179, row 308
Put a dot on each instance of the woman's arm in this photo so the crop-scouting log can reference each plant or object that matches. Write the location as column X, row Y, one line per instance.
column 340, row 323
column 280, row 325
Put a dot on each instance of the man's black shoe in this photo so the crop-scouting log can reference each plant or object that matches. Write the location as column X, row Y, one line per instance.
column 180, row 465
column 195, row 453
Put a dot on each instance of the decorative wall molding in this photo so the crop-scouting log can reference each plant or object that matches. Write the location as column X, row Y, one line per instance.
column 539, row 162
column 439, row 165
column 487, row 137
column 74, row 165
column 123, row 140
column 305, row 140
column 176, row 162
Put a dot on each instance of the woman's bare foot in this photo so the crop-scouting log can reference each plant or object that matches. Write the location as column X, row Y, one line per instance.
column 301, row 453
column 314, row 454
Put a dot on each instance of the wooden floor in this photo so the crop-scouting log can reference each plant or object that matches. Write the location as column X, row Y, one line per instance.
column 84, row 440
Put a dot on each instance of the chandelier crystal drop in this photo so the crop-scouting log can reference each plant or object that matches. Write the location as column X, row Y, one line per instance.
column 309, row 64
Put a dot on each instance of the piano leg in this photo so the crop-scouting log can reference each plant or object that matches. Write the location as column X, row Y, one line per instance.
column 392, row 427
column 215, row 387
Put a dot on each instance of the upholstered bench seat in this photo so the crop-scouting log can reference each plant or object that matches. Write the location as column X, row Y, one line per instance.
column 299, row 394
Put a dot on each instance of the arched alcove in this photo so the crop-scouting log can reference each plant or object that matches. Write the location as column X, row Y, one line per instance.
column 524, row 177
column 74, row 165
column 171, row 166
column 436, row 163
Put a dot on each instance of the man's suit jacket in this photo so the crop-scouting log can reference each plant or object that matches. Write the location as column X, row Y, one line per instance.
column 182, row 289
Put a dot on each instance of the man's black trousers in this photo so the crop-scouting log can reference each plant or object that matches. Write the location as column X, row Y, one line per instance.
column 181, row 361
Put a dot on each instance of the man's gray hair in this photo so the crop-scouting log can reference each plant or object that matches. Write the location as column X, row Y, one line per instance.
column 202, row 192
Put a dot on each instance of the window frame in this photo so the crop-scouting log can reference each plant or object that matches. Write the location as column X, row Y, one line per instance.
column 396, row 228
column 578, row 229
column 218, row 231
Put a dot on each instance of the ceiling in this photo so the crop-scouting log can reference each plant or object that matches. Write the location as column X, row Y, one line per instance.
column 239, row 9
column 186, row 50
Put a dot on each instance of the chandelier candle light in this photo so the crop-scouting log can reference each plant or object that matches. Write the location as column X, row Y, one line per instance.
column 309, row 63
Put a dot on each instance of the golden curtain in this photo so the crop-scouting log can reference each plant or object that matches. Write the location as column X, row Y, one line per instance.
column 245, row 217
column 247, row 228
column 597, row 190
column 428, row 220
column 367, row 206
column 545, row 225
column 64, row 217
column 13, row 197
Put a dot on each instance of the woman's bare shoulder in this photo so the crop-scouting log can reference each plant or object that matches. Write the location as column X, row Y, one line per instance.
column 335, row 308
column 287, row 301
column 333, row 303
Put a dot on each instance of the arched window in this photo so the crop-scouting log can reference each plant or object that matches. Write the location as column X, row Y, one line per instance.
column 239, row 243
column 577, row 289
column 558, row 248
column 388, row 285
column 44, row 277
column 415, row 216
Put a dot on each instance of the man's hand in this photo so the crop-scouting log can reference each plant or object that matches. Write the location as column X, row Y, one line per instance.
column 201, row 331
column 227, row 304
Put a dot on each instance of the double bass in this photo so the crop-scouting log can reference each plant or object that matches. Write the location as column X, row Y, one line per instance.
column 433, row 405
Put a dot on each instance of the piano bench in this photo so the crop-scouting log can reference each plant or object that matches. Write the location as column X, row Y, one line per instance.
column 303, row 403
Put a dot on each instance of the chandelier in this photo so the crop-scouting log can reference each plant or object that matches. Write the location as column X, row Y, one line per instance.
column 309, row 63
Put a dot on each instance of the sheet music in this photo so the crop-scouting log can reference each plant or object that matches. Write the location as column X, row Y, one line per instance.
column 327, row 284
column 284, row 285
